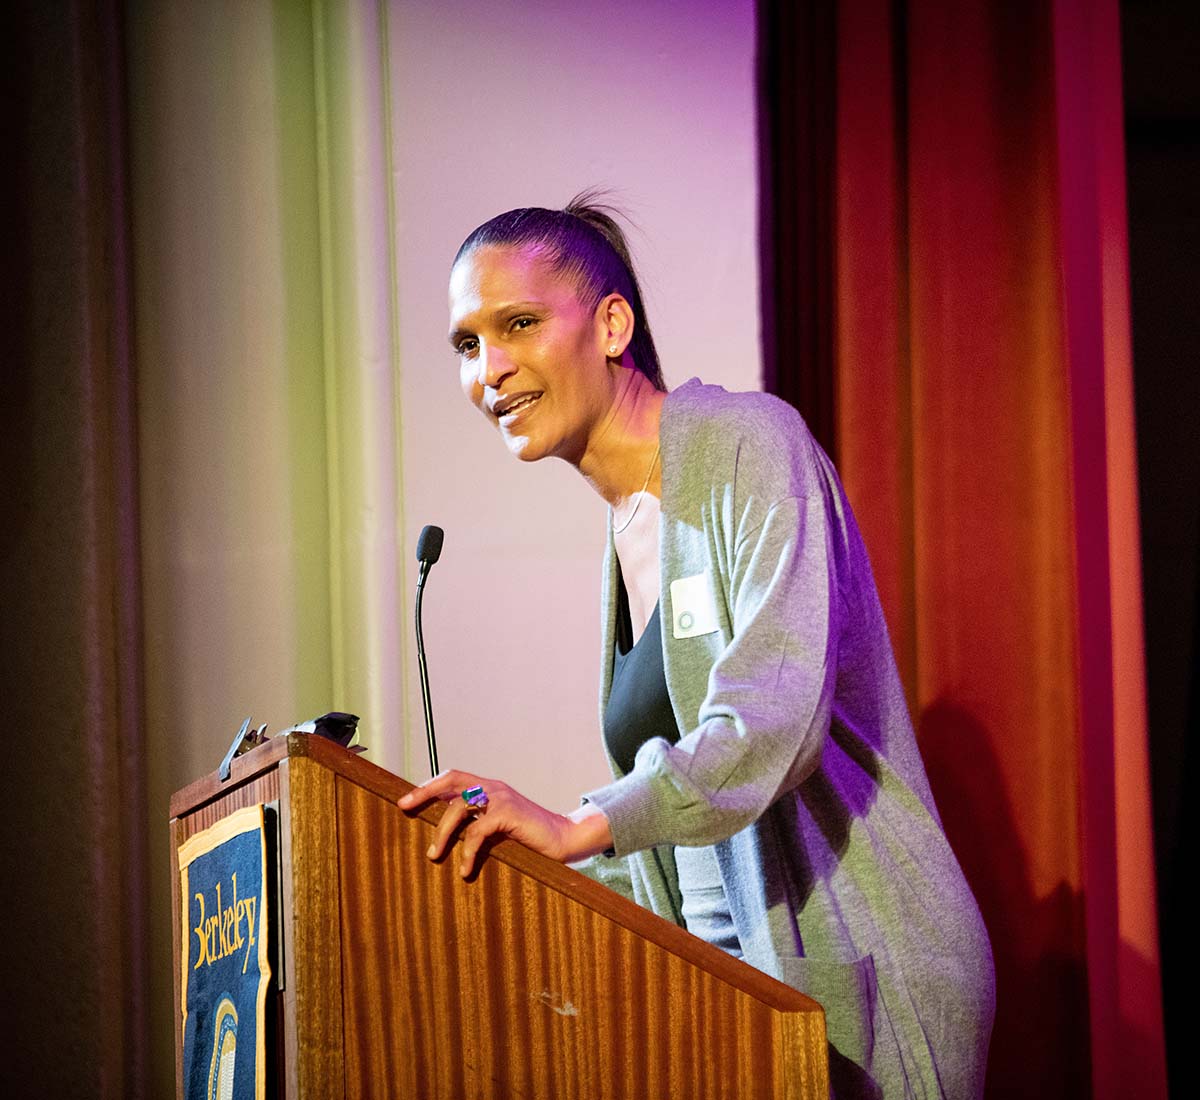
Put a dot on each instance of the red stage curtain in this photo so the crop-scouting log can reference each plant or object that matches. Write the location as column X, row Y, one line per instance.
column 984, row 428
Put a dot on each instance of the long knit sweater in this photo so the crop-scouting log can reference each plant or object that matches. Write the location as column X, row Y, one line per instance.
column 797, row 761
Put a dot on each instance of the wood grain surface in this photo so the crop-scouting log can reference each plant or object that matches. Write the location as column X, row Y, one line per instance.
column 312, row 999
column 505, row 987
column 531, row 980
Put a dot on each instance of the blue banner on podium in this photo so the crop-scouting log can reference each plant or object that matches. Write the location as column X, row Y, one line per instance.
column 225, row 968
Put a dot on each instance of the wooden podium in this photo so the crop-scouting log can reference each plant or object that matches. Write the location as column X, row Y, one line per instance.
column 397, row 978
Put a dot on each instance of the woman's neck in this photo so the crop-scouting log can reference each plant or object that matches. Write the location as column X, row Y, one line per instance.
column 621, row 457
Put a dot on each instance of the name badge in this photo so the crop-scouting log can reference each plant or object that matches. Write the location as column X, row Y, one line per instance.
column 693, row 607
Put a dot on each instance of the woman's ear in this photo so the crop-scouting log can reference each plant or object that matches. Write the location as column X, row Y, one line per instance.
column 614, row 325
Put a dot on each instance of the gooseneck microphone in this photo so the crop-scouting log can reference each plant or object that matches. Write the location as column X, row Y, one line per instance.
column 429, row 549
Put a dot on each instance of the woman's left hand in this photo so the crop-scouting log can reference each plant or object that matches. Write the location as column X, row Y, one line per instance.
column 563, row 837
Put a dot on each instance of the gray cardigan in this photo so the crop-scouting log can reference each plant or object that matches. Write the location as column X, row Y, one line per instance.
column 797, row 761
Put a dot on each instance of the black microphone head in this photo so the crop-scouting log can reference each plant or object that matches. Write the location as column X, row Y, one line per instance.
column 429, row 545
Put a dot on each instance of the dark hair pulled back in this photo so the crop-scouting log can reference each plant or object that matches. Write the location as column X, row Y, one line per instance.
column 583, row 243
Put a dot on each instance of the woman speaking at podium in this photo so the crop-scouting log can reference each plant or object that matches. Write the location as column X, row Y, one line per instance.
column 768, row 792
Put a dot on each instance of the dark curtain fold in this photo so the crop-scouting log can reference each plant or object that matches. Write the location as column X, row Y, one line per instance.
column 797, row 107
column 75, row 850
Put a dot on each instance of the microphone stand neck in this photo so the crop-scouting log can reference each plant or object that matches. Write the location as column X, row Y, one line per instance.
column 424, row 673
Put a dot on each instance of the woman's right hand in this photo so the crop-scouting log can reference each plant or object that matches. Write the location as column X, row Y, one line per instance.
column 564, row 837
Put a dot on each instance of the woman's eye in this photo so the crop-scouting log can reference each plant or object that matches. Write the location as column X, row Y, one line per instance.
column 468, row 347
column 523, row 322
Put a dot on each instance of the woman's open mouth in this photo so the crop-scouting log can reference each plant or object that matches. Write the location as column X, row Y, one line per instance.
column 509, row 411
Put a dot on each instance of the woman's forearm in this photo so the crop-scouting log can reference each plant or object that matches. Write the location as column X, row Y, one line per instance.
column 589, row 834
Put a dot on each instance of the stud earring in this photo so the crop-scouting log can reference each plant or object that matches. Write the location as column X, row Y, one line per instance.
column 612, row 350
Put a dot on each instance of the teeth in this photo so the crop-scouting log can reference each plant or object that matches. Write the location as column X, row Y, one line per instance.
column 519, row 404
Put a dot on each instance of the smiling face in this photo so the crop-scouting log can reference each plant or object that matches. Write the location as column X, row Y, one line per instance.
column 532, row 356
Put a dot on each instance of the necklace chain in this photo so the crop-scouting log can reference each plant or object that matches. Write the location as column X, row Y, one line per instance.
column 645, row 485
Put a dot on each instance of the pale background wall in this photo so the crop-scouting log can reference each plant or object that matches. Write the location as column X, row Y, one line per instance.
column 303, row 173
column 525, row 106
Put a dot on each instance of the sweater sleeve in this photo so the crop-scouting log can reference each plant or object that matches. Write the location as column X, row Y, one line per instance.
column 766, row 710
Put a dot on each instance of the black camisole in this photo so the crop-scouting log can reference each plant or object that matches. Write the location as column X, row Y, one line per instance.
column 639, row 707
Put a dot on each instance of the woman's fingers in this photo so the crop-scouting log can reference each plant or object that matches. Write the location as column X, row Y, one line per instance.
column 503, row 811
column 447, row 827
column 447, row 787
column 472, row 840
column 444, row 786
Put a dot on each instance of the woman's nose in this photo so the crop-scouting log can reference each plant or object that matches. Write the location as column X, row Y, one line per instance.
column 494, row 366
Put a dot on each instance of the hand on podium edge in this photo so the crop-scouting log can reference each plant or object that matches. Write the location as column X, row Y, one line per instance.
column 567, row 838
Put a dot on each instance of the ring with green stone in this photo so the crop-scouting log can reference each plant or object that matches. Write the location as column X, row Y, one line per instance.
column 476, row 798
